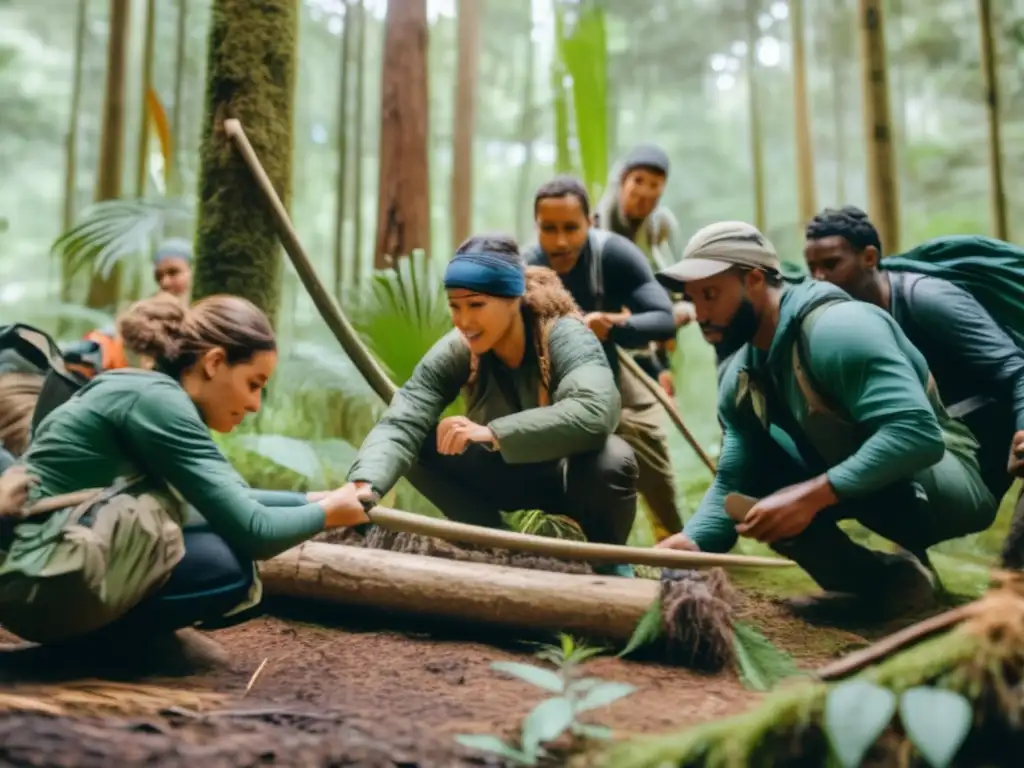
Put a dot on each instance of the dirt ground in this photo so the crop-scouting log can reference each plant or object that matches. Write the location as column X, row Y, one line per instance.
column 308, row 686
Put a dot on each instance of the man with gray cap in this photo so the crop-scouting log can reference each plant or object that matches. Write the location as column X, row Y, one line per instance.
column 172, row 267
column 828, row 413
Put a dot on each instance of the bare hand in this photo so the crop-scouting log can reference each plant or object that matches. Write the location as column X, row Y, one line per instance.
column 344, row 507
column 600, row 323
column 679, row 541
column 455, row 433
column 787, row 513
column 15, row 483
column 666, row 382
column 1015, row 466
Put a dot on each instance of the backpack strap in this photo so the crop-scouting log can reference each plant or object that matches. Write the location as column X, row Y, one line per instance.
column 597, row 239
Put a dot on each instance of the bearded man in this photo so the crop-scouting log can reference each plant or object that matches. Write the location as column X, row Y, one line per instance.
column 829, row 413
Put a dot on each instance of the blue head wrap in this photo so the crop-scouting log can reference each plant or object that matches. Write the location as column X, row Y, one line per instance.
column 174, row 248
column 485, row 273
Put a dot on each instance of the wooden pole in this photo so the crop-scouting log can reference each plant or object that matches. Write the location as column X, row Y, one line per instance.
column 990, row 74
column 500, row 596
column 883, row 195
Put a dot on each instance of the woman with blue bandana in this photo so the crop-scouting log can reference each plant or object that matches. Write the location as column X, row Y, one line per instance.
column 541, row 406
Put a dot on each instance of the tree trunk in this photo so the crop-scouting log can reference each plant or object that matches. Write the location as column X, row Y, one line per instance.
column 837, row 29
column 403, row 207
column 344, row 72
column 754, row 113
column 802, row 118
column 250, row 75
column 522, row 210
column 464, row 127
column 358, row 258
column 71, row 156
column 883, row 196
column 142, row 163
column 990, row 73
column 103, row 293
column 477, row 593
column 177, row 115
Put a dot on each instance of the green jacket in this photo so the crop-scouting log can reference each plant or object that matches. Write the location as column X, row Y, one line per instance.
column 584, row 407
column 133, row 422
column 880, row 421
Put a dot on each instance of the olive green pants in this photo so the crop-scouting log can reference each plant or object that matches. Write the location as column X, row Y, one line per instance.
column 640, row 425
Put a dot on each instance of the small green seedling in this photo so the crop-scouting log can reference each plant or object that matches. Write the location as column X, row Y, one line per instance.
column 574, row 695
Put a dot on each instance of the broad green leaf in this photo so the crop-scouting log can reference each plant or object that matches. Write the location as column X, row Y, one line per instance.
column 648, row 629
column 542, row 678
column 604, row 694
column 304, row 457
column 761, row 665
column 487, row 743
column 584, row 652
column 546, row 722
column 937, row 721
column 589, row 731
column 856, row 713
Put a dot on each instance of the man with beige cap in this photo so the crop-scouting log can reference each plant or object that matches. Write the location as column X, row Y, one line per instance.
column 828, row 413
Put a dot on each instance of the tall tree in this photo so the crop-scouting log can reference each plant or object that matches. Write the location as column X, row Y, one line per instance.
column 802, row 118
column 250, row 75
column 464, row 128
column 104, row 291
column 403, row 205
column 341, row 182
column 357, row 145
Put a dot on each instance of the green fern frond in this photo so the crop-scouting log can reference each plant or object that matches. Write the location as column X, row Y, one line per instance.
column 760, row 664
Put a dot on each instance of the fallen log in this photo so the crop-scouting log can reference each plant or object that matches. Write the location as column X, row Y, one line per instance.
column 477, row 593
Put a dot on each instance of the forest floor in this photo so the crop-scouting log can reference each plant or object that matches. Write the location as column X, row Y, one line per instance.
column 306, row 685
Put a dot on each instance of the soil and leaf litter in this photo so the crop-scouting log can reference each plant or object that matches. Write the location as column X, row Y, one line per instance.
column 337, row 685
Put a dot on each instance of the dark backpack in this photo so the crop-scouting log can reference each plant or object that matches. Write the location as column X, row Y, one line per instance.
column 26, row 349
column 991, row 270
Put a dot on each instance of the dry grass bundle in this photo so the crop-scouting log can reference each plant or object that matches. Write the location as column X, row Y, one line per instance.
column 103, row 697
column 697, row 618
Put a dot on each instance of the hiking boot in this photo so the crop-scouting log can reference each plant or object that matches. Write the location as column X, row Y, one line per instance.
column 907, row 587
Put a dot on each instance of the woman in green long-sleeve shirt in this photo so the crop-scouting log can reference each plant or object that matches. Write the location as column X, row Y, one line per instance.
column 172, row 540
column 541, row 406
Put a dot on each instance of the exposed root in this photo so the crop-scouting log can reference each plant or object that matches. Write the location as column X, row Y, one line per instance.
column 411, row 543
column 982, row 659
column 697, row 618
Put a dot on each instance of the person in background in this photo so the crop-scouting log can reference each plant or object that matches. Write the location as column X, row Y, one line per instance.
column 171, row 540
column 541, row 407
column 631, row 207
column 610, row 280
column 172, row 272
column 829, row 413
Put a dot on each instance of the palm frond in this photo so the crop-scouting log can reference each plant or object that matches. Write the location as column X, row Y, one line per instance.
column 112, row 231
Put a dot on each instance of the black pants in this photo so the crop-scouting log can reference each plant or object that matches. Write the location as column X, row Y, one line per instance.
column 597, row 490
column 208, row 582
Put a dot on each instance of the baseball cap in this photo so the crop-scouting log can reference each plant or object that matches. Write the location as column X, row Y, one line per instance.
column 718, row 247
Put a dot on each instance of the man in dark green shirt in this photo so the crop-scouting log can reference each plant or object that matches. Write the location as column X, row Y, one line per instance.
column 829, row 413
column 978, row 367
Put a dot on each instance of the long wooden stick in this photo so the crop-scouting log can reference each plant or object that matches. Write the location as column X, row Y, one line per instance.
column 897, row 641
column 669, row 405
column 396, row 520
column 328, row 308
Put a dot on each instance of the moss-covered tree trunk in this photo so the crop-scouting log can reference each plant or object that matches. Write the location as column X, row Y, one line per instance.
column 103, row 293
column 250, row 75
column 403, row 204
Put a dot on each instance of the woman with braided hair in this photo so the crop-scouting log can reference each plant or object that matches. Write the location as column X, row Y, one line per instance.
column 541, row 406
